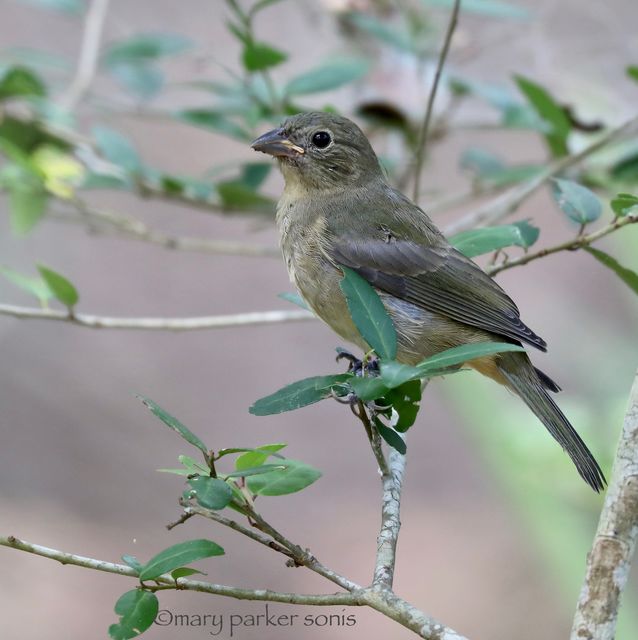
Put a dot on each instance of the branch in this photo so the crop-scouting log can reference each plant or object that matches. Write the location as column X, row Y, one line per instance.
column 609, row 561
column 130, row 227
column 425, row 125
column 388, row 536
column 383, row 601
column 89, row 52
column 571, row 245
column 508, row 202
column 183, row 583
column 158, row 324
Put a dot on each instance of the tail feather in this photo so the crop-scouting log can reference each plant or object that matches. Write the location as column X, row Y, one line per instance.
column 523, row 379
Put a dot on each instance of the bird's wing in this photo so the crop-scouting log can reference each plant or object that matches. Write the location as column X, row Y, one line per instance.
column 436, row 278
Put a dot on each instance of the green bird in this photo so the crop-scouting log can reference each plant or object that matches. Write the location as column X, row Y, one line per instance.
column 337, row 210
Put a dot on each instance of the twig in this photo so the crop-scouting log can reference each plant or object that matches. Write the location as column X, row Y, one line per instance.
column 129, row 227
column 577, row 243
column 501, row 206
column 183, row 583
column 89, row 52
column 302, row 556
column 158, row 324
column 609, row 561
column 194, row 509
column 423, row 131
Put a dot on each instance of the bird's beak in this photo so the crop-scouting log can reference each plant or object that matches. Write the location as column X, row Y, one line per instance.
column 276, row 144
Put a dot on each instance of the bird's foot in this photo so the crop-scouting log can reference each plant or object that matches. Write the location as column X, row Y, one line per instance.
column 357, row 366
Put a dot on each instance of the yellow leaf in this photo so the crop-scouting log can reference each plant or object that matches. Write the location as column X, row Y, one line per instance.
column 62, row 172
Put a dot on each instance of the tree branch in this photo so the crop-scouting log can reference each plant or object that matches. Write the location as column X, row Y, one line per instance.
column 388, row 536
column 383, row 601
column 610, row 558
column 506, row 203
column 89, row 53
column 133, row 228
column 183, row 583
column 158, row 324
column 425, row 125
column 571, row 245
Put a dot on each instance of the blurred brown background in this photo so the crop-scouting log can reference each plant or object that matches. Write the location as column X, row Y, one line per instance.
column 78, row 452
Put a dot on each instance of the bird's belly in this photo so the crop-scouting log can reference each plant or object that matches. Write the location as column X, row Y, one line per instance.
column 420, row 333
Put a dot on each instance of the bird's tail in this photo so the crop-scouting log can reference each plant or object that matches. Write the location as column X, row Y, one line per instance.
column 531, row 386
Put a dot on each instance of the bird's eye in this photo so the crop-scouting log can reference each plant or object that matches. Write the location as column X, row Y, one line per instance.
column 321, row 139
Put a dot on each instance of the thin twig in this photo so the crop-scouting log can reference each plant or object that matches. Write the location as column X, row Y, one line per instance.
column 609, row 561
column 133, row 228
column 506, row 203
column 89, row 53
column 302, row 556
column 158, row 324
column 570, row 245
column 216, row 516
column 425, row 125
column 183, row 583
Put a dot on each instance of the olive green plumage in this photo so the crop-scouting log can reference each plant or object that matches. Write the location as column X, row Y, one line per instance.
column 338, row 210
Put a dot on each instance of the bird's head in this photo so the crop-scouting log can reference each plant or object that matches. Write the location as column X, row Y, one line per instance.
column 321, row 151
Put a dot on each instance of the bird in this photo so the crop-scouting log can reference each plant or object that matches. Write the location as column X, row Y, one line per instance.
column 338, row 210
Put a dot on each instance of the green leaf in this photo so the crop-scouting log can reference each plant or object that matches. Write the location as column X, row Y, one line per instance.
column 579, row 203
column 255, row 471
column 61, row 288
column 464, row 353
column 190, row 467
column 391, row 436
column 479, row 241
column 132, row 562
column 272, row 447
column 394, row 374
column 369, row 315
column 295, row 477
column 489, row 169
column 626, row 169
column 137, row 610
column 117, row 149
column 405, row 400
column 145, row 47
column 74, row 7
column 20, row 82
column 624, row 204
column 258, row 456
column 629, row 277
column 184, row 572
column 481, row 162
column 632, row 71
column 215, row 121
column 175, row 425
column 141, row 79
column 550, row 111
column 34, row 286
column 488, row 8
column 253, row 174
column 295, row 298
column 179, row 555
column 27, row 206
column 369, row 388
column 211, row 493
column 258, row 56
column 397, row 38
column 237, row 196
column 300, row 394
column 327, row 77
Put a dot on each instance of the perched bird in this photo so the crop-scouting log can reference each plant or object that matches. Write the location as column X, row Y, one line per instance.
column 338, row 210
